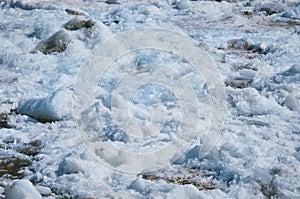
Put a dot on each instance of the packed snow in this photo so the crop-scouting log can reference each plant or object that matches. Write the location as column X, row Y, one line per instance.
column 50, row 150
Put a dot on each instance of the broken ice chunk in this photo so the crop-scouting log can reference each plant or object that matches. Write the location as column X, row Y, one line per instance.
column 52, row 108
column 21, row 189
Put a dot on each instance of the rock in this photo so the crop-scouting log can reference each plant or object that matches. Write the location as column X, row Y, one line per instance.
column 74, row 12
column 13, row 167
column 263, row 48
column 75, row 24
column 238, row 83
column 4, row 121
column 245, row 44
column 56, row 43
column 240, row 44
column 241, row 66
column 271, row 8
column 30, row 149
column 242, row 79
column 111, row 2
column 21, row 189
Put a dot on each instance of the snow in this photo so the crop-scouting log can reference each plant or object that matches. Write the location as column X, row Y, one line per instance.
column 158, row 129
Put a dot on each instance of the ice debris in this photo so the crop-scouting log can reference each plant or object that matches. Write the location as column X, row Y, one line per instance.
column 55, row 107
column 21, row 189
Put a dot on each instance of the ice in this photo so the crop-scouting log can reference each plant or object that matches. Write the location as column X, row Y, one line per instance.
column 212, row 8
column 254, row 46
column 186, row 192
column 55, row 107
column 294, row 13
column 21, row 189
column 139, row 185
column 183, row 4
column 291, row 102
column 255, row 103
column 292, row 71
column 71, row 165
column 297, row 155
column 44, row 191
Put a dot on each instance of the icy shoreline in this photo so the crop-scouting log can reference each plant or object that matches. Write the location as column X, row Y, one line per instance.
column 255, row 46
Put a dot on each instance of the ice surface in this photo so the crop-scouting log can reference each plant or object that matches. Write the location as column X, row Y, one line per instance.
column 255, row 46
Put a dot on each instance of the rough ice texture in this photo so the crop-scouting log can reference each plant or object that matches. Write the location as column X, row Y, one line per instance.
column 254, row 45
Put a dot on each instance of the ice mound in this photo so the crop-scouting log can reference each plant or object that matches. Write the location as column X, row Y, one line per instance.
column 52, row 108
column 21, row 189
